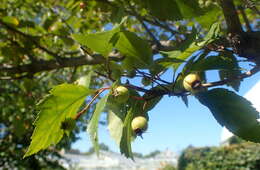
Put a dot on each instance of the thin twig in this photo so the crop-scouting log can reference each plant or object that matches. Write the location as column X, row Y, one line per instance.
column 89, row 104
column 241, row 76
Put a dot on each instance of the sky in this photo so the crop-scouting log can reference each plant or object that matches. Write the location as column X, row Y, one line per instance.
column 173, row 126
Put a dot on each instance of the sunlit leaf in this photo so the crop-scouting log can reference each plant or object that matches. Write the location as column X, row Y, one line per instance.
column 62, row 102
column 136, row 50
column 98, row 42
column 13, row 21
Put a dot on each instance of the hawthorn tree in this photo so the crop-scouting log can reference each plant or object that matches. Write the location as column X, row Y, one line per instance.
column 102, row 48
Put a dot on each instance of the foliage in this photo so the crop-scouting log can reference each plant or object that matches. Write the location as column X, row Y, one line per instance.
column 236, row 156
column 101, row 146
column 168, row 167
column 110, row 43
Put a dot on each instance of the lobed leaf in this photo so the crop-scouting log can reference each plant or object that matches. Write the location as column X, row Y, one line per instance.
column 63, row 102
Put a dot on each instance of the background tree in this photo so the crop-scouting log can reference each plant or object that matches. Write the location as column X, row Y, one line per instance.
column 118, row 43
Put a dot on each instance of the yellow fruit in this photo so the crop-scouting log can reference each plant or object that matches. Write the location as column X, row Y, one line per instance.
column 139, row 124
column 121, row 94
column 192, row 82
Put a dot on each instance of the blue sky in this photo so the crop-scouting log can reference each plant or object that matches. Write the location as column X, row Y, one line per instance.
column 173, row 126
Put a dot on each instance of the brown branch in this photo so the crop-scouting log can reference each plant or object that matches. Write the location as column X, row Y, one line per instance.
column 155, row 40
column 231, row 16
column 47, row 65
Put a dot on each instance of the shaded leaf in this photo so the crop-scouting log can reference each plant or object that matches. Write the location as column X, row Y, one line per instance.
column 173, row 9
column 125, row 143
column 233, row 71
column 63, row 102
column 164, row 10
column 185, row 100
column 218, row 62
column 232, row 111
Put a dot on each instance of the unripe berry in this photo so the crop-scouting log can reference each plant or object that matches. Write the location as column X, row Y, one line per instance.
column 192, row 82
column 121, row 94
column 139, row 124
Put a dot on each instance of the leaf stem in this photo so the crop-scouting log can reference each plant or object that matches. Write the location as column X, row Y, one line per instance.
column 99, row 91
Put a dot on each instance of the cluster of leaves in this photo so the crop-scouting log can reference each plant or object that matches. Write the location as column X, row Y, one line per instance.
column 236, row 156
column 17, row 115
column 121, row 40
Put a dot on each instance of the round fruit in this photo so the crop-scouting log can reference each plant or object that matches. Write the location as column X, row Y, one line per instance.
column 121, row 94
column 192, row 82
column 139, row 124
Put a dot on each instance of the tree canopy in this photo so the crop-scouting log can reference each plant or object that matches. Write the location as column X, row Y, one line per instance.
column 85, row 50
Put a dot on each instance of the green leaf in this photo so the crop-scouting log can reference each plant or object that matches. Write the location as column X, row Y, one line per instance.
column 153, row 101
column 125, row 142
column 172, row 9
column 115, row 125
column 191, row 46
column 185, row 100
column 182, row 55
column 233, row 71
column 218, row 62
column 210, row 16
column 13, row 21
column 189, row 9
column 137, row 51
column 85, row 80
column 164, row 10
column 98, row 42
column 184, row 50
column 62, row 102
column 232, row 111
column 212, row 35
column 93, row 124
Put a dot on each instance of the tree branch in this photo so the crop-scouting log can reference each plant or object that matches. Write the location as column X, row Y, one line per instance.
column 231, row 16
column 240, row 77
column 43, row 65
